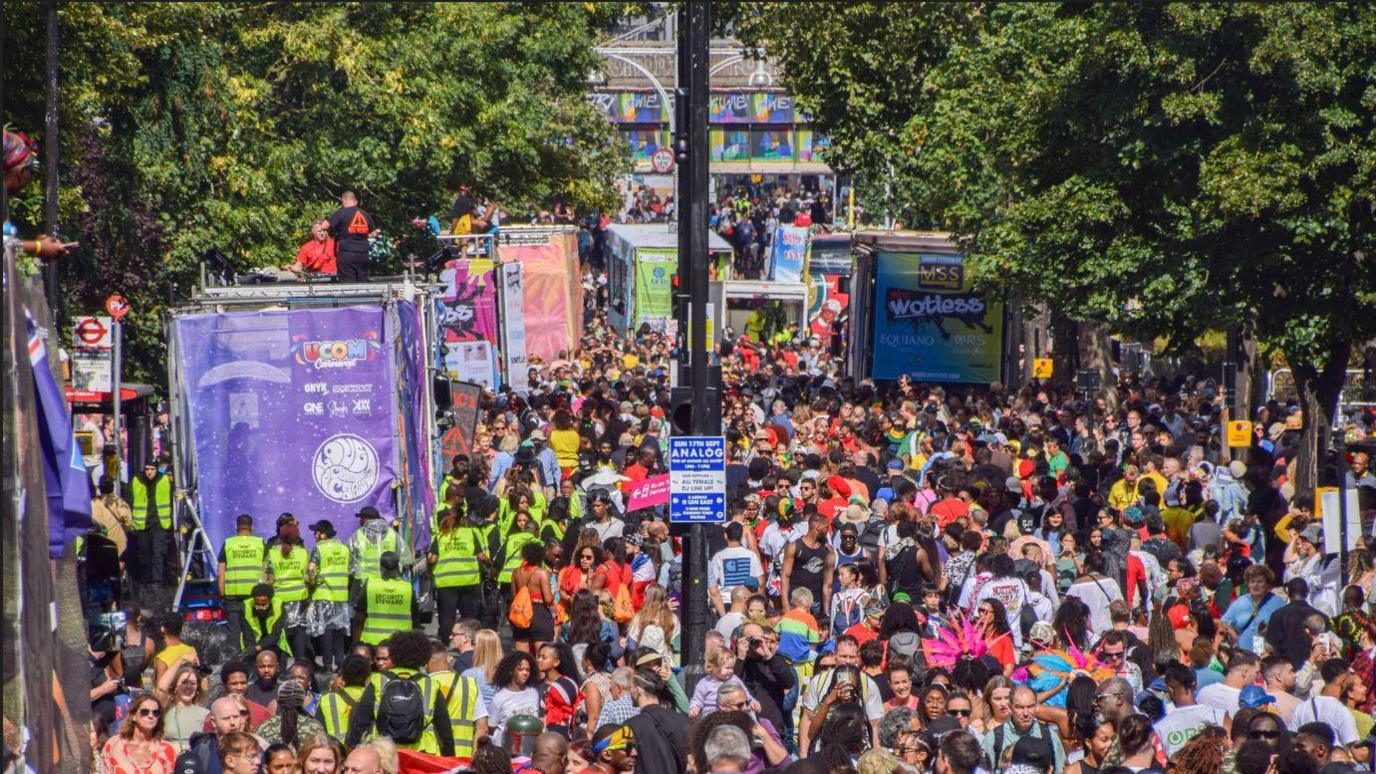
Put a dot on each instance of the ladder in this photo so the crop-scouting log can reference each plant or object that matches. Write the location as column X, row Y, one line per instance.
column 196, row 544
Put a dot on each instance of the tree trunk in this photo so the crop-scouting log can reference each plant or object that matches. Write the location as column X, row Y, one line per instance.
column 1319, row 392
column 1096, row 352
column 1065, row 351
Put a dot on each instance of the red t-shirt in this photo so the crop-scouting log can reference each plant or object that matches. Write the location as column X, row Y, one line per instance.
column 948, row 510
column 1001, row 648
column 1136, row 572
column 318, row 257
column 862, row 633
column 830, row 506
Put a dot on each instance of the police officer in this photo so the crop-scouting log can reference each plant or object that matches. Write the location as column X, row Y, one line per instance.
column 372, row 538
column 286, row 570
column 241, row 568
column 330, row 614
column 386, row 603
column 455, row 557
column 151, row 497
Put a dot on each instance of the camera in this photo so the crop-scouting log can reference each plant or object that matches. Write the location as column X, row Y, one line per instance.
column 755, row 642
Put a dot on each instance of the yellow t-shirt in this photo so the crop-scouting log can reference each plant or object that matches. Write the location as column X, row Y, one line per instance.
column 565, row 445
column 631, row 361
column 171, row 653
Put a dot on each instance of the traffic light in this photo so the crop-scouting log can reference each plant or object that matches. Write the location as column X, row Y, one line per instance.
column 681, row 404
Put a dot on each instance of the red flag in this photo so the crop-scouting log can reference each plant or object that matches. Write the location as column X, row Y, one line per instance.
column 421, row 763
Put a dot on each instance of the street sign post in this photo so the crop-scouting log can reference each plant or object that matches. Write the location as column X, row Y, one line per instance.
column 92, row 345
column 116, row 306
column 662, row 161
column 697, row 480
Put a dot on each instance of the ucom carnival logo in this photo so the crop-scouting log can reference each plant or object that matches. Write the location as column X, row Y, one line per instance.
column 336, row 353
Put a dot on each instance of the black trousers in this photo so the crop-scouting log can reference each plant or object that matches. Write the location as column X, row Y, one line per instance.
column 352, row 268
column 332, row 647
column 456, row 602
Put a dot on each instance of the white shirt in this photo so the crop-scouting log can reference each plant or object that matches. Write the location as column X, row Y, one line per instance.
column 1012, row 592
column 731, row 567
column 1097, row 597
column 1327, row 709
column 726, row 626
column 1184, row 723
column 613, row 528
column 819, row 685
column 507, row 704
column 774, row 540
column 1220, row 696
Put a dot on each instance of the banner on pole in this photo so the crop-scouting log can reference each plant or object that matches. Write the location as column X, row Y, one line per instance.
column 648, row 493
column 514, row 327
column 788, row 254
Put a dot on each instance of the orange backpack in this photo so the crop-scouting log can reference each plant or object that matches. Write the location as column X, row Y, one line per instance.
column 522, row 610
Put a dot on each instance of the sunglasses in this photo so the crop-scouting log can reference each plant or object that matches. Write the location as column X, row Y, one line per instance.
column 960, row 713
column 150, row 713
column 1263, row 734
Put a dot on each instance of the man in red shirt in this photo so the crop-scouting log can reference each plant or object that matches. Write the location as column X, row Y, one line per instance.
column 317, row 255
column 949, row 507
column 835, row 495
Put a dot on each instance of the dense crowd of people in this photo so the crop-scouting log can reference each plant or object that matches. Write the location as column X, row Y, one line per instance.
column 909, row 579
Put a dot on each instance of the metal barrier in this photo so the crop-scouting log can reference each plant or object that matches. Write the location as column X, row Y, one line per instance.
column 1280, row 386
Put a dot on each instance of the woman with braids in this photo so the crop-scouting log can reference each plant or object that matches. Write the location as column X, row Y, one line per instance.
column 290, row 725
column 844, row 737
column 1201, row 755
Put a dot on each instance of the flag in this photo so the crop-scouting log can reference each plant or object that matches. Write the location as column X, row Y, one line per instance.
column 413, row 762
column 64, row 473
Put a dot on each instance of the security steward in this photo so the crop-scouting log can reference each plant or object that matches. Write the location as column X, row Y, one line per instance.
column 337, row 706
column 240, row 569
column 464, row 697
column 286, row 569
column 455, row 557
column 150, row 493
column 410, row 651
column 386, row 604
column 327, row 576
column 265, row 625
column 372, row 538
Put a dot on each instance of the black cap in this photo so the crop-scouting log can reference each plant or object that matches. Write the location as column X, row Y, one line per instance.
column 1034, row 752
column 323, row 526
column 369, row 512
column 285, row 518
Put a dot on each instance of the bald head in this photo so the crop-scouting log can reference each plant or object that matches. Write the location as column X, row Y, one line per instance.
column 1024, row 702
column 348, row 198
column 551, row 753
column 364, row 760
column 227, row 714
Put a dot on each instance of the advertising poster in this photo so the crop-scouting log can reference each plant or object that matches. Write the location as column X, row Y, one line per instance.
column 514, row 325
column 772, row 108
column 468, row 307
column 826, row 303
column 641, row 108
column 730, row 144
column 644, row 142
column 730, row 108
column 605, row 104
column 771, row 145
column 654, row 291
column 931, row 324
column 459, row 438
column 788, row 254
column 291, row 411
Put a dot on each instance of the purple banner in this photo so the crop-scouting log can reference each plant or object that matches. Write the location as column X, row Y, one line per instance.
column 291, row 411
column 468, row 308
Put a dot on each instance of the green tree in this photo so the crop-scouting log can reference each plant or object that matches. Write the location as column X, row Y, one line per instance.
column 191, row 126
column 1163, row 169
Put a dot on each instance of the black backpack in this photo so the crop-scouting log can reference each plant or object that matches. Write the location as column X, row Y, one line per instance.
column 401, row 710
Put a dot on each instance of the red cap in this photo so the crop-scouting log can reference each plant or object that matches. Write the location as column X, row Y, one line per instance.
column 838, row 486
column 1180, row 617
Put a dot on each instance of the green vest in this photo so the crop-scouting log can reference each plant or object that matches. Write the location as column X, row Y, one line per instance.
column 461, row 699
column 335, row 709
column 332, row 574
column 429, row 743
column 369, row 554
column 244, row 556
column 288, row 573
column 259, row 632
column 388, row 607
column 514, row 543
column 556, row 529
column 457, row 566
column 162, row 502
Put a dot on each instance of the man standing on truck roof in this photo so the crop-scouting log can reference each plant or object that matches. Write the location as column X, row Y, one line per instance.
column 351, row 226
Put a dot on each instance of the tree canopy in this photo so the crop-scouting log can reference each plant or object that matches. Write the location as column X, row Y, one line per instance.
column 187, row 126
column 1162, row 168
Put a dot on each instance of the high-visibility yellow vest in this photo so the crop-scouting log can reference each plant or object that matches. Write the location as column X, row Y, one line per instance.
column 332, row 574
column 244, row 556
column 162, row 502
column 370, row 553
column 514, row 543
column 335, row 709
column 556, row 529
column 457, row 566
column 461, row 699
column 388, row 607
column 429, row 743
column 259, row 632
column 288, row 573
